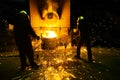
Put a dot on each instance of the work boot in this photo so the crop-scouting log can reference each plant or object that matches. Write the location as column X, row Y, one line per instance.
column 35, row 66
column 22, row 68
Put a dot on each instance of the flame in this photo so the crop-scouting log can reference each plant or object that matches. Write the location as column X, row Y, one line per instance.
column 49, row 34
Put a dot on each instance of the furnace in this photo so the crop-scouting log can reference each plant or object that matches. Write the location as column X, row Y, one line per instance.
column 50, row 17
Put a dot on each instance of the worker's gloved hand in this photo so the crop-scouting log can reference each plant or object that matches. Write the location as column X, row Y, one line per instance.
column 37, row 37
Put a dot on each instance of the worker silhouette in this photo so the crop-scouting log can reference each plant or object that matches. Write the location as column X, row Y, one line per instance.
column 84, row 29
column 22, row 33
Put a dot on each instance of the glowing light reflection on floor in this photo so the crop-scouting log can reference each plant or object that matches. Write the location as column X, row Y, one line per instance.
column 53, row 65
column 59, row 64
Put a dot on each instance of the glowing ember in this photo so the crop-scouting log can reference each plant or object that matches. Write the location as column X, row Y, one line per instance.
column 57, row 74
column 69, row 59
column 58, row 60
column 83, row 50
column 49, row 34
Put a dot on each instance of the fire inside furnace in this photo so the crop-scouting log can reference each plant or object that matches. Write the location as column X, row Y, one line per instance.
column 49, row 34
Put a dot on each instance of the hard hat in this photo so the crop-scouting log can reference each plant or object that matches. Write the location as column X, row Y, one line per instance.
column 23, row 11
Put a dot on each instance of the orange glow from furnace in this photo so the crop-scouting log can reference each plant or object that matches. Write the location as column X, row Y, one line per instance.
column 49, row 34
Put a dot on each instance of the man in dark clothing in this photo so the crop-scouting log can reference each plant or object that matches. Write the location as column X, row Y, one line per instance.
column 22, row 33
column 84, row 29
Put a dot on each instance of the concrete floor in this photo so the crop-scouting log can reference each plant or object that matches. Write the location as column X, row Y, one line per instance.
column 60, row 64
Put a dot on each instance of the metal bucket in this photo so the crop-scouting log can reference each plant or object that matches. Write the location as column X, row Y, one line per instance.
column 49, row 43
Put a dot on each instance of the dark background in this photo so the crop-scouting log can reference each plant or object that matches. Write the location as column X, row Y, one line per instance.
column 105, row 16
